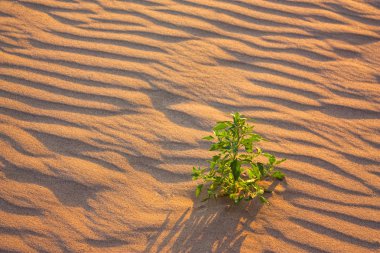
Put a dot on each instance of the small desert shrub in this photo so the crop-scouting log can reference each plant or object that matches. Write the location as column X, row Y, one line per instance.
column 235, row 171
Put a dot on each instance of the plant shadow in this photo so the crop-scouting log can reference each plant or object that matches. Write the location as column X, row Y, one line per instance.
column 212, row 226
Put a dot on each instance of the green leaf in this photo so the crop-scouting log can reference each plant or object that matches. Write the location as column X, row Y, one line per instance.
column 281, row 161
column 235, row 167
column 259, row 151
column 211, row 193
column 278, row 175
column 259, row 190
column 255, row 171
column 196, row 173
column 247, row 143
column 261, row 168
column 214, row 162
column 271, row 158
column 216, row 158
column 198, row 190
column 256, row 137
column 236, row 117
column 209, row 138
column 263, row 200
column 251, row 174
column 236, row 197
column 214, row 146
column 220, row 126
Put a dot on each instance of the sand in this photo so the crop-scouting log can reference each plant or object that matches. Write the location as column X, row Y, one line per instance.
column 104, row 103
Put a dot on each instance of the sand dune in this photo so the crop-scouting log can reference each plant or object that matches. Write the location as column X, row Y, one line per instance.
column 104, row 103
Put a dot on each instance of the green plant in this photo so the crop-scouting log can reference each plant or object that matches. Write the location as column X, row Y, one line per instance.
column 236, row 171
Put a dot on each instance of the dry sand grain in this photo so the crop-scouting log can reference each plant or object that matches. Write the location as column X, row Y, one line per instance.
column 103, row 104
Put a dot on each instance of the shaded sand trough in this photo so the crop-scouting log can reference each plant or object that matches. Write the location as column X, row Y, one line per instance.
column 103, row 104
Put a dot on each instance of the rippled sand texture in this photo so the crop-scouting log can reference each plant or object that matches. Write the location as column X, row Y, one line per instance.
column 103, row 104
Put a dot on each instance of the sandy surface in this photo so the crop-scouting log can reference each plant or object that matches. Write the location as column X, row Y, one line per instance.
column 104, row 103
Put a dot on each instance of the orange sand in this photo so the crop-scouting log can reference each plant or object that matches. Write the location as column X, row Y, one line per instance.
column 104, row 103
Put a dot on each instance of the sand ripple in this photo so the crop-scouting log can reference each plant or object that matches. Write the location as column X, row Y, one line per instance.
column 103, row 104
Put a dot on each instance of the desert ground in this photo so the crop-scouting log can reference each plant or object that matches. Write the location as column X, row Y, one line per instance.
column 104, row 103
